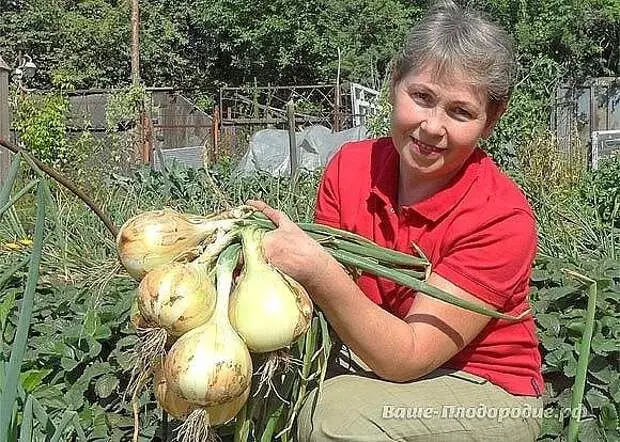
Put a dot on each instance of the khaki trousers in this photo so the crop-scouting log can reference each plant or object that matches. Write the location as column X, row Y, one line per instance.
column 442, row 406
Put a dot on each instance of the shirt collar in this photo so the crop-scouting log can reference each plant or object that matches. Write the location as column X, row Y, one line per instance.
column 385, row 172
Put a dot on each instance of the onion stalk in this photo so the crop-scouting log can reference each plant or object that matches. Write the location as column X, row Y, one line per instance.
column 359, row 253
column 269, row 309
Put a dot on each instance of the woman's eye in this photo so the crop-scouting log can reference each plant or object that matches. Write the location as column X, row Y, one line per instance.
column 463, row 113
column 421, row 96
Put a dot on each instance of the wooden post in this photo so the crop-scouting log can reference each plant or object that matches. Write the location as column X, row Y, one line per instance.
column 232, row 134
column 290, row 114
column 147, row 137
column 215, row 133
column 5, row 155
column 143, row 143
column 135, row 42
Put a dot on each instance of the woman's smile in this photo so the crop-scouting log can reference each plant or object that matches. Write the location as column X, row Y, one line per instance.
column 424, row 150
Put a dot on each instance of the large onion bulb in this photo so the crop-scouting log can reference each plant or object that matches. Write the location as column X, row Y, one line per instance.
column 177, row 297
column 180, row 409
column 159, row 237
column 268, row 309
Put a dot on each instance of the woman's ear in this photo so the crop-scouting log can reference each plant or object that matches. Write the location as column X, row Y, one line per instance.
column 496, row 110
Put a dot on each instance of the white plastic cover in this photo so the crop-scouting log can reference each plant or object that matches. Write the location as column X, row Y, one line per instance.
column 269, row 149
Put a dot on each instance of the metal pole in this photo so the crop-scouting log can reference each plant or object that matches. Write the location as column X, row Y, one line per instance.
column 337, row 115
column 290, row 113
column 5, row 155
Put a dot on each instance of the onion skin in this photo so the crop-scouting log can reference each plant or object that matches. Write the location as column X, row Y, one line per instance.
column 177, row 297
column 160, row 237
column 180, row 409
column 268, row 309
column 209, row 365
column 171, row 402
column 220, row 414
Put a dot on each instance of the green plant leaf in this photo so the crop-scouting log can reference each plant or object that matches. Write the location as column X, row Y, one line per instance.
column 596, row 398
column 9, row 388
column 9, row 180
column 6, row 307
column 65, row 422
column 9, row 273
column 612, row 435
column 106, row 385
column 25, row 434
column 31, row 379
column 91, row 323
column 609, row 417
column 540, row 275
column 551, row 426
column 557, row 293
column 557, row 357
column 550, row 322
column 602, row 345
column 614, row 388
column 590, row 431
column 68, row 364
column 551, row 342
column 600, row 368
column 570, row 366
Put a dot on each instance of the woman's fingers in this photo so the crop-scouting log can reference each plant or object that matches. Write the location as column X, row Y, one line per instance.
column 274, row 215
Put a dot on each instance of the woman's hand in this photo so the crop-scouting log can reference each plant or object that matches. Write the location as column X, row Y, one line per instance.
column 290, row 249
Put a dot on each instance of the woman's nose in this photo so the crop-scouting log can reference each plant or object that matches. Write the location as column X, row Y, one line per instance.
column 433, row 123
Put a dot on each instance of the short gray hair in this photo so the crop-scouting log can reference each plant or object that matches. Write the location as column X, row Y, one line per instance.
column 450, row 39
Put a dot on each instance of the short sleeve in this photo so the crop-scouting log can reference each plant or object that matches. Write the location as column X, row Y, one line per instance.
column 327, row 210
column 494, row 261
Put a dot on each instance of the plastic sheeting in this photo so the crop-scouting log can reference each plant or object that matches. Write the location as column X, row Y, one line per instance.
column 269, row 149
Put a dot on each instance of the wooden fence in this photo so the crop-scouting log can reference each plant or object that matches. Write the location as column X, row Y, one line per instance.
column 583, row 109
column 171, row 122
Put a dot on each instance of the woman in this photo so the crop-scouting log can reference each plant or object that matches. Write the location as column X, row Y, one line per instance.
column 429, row 370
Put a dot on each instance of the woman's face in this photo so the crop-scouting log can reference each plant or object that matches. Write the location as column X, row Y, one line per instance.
column 436, row 123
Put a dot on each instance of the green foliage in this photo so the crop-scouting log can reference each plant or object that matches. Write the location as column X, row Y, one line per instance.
column 123, row 106
column 201, row 45
column 601, row 189
column 17, row 385
column 77, row 354
column 40, row 121
column 194, row 190
column 378, row 124
column 559, row 308
column 526, row 116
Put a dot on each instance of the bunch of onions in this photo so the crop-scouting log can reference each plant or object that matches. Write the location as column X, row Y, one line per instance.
column 172, row 300
column 210, row 366
column 210, row 327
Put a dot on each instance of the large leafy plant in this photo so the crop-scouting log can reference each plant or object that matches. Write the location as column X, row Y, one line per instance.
column 560, row 305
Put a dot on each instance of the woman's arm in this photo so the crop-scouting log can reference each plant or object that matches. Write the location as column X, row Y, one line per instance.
column 394, row 349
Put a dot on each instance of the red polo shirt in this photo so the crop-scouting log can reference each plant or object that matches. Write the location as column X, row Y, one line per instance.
column 478, row 232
